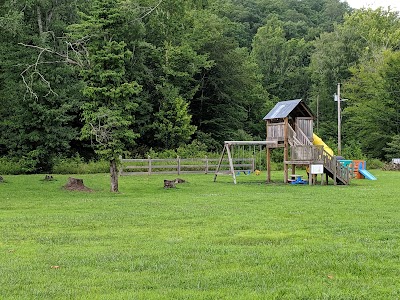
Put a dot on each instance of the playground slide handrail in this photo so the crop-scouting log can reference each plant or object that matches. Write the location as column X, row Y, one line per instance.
column 336, row 168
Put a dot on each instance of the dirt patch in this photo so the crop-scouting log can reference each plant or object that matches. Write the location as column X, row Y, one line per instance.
column 76, row 184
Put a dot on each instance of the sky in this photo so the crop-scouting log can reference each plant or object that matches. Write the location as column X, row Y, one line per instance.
column 394, row 4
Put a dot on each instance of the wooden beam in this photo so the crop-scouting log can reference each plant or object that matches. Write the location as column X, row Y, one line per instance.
column 228, row 151
column 219, row 164
column 285, row 150
column 268, row 162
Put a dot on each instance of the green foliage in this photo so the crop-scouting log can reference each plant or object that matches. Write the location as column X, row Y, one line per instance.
column 393, row 148
column 283, row 62
column 195, row 149
column 12, row 166
column 375, row 164
column 357, row 52
column 172, row 125
column 352, row 150
column 108, row 112
column 77, row 165
column 38, row 117
column 372, row 111
column 160, row 74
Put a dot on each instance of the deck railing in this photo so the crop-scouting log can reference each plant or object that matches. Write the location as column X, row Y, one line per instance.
column 309, row 153
column 302, row 137
column 338, row 170
column 275, row 132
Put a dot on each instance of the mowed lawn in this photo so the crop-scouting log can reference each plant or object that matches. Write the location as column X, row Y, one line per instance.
column 202, row 240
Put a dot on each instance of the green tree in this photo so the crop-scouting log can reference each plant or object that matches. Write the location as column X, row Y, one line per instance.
column 173, row 123
column 373, row 109
column 357, row 44
column 37, row 122
column 109, row 108
column 393, row 148
column 282, row 62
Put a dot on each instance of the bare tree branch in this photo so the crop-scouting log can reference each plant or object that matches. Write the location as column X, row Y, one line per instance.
column 31, row 72
column 151, row 9
column 51, row 51
column 75, row 53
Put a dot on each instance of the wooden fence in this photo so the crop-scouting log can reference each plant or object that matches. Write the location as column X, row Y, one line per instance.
column 182, row 166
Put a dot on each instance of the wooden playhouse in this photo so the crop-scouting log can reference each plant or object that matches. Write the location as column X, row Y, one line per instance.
column 289, row 125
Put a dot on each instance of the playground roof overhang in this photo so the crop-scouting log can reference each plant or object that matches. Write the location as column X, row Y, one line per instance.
column 294, row 108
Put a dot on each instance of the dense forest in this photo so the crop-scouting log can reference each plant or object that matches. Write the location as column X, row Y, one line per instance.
column 106, row 77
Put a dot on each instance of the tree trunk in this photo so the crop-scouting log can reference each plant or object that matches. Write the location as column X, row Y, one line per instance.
column 114, row 176
column 39, row 20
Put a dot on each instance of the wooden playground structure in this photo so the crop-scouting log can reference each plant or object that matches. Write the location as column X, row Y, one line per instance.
column 289, row 125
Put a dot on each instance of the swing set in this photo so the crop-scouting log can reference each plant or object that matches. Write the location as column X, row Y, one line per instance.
column 238, row 156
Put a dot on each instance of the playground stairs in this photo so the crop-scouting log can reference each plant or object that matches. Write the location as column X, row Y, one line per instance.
column 312, row 154
column 335, row 170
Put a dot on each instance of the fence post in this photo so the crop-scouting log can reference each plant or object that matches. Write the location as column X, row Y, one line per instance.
column 179, row 165
column 206, row 165
column 121, row 166
column 149, row 165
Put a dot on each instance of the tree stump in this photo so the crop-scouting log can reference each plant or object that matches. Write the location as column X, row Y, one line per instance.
column 76, row 184
column 168, row 184
column 1, row 179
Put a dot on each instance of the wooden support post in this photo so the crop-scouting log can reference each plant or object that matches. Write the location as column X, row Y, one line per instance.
column 268, row 150
column 179, row 165
column 121, row 169
column 285, row 151
column 149, row 162
column 206, row 170
column 228, row 151
column 268, row 155
column 219, row 163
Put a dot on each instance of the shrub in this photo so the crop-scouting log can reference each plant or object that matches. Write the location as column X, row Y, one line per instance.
column 196, row 149
column 375, row 164
column 11, row 166
column 352, row 150
column 76, row 165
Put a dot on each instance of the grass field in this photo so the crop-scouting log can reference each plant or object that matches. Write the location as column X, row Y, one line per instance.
column 202, row 240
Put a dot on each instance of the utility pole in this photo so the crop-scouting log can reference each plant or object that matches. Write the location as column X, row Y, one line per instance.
column 318, row 113
column 339, row 139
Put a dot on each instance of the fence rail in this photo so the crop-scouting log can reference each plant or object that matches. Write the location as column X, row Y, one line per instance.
column 182, row 166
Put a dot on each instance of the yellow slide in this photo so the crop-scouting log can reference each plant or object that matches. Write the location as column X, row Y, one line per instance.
column 319, row 142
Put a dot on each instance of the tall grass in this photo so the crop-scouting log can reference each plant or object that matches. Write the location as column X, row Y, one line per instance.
column 202, row 240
